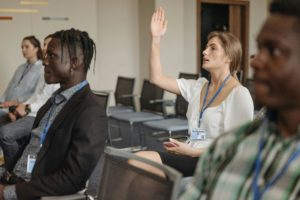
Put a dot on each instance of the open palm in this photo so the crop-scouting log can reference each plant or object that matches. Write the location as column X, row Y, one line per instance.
column 158, row 23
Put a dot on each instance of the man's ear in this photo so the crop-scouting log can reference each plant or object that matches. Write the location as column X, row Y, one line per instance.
column 74, row 62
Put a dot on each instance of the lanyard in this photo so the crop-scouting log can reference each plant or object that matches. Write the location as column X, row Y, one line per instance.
column 204, row 107
column 48, row 125
column 27, row 68
column 257, row 194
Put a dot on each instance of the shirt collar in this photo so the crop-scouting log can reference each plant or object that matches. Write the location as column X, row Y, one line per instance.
column 60, row 96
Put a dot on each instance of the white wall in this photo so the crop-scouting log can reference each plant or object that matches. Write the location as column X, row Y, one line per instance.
column 121, row 31
column 258, row 13
column 81, row 16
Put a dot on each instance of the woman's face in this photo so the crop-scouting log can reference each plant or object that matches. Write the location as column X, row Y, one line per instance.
column 28, row 50
column 214, row 55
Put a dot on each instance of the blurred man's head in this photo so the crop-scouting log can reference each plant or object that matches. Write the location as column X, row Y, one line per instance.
column 47, row 39
column 277, row 63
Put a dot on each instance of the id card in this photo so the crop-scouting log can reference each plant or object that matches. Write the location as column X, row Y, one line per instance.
column 198, row 134
column 30, row 163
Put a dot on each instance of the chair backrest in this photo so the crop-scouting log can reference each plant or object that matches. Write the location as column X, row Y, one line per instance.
column 122, row 181
column 249, row 84
column 124, row 87
column 102, row 99
column 188, row 75
column 181, row 104
column 150, row 93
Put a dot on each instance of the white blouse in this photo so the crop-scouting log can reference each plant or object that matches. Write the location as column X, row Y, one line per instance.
column 235, row 110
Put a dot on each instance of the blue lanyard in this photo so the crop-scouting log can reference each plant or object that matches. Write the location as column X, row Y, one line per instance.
column 257, row 194
column 48, row 125
column 204, row 107
column 26, row 70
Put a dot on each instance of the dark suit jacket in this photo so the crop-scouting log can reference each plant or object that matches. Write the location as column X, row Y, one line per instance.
column 71, row 149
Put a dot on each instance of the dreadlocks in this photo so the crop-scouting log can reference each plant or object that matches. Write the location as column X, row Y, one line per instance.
column 74, row 39
column 287, row 7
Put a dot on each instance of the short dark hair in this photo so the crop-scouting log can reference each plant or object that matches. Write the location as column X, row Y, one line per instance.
column 288, row 8
column 74, row 39
column 36, row 43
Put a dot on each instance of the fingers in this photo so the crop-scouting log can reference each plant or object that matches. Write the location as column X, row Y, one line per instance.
column 175, row 141
column 159, row 15
column 165, row 23
column 12, row 117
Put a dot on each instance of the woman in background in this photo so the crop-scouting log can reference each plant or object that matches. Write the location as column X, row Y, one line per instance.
column 26, row 77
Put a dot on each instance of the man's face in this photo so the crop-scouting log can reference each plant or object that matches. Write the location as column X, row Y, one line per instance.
column 277, row 63
column 57, row 66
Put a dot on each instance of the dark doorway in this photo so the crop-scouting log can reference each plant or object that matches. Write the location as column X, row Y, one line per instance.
column 214, row 17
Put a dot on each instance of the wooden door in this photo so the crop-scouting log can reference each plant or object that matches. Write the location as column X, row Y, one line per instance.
column 231, row 15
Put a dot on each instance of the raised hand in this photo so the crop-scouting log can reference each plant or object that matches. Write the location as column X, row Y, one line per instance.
column 158, row 23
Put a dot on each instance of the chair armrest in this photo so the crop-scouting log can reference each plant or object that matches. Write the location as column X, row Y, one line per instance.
column 166, row 102
column 103, row 91
column 127, row 95
column 177, row 137
column 68, row 197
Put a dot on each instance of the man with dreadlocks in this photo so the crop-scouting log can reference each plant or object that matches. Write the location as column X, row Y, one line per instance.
column 69, row 131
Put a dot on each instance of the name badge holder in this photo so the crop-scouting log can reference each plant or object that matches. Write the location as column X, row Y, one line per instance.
column 198, row 134
column 30, row 163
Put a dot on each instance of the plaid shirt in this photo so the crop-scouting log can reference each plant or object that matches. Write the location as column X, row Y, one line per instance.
column 227, row 169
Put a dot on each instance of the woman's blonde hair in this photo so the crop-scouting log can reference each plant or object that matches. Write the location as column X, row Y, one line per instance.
column 232, row 47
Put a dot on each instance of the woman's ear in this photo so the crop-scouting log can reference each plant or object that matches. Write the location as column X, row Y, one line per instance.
column 227, row 60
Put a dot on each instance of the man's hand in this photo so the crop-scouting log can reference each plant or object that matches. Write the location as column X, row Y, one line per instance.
column 12, row 116
column 21, row 110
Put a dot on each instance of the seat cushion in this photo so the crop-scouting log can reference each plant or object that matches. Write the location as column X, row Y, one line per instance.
column 134, row 117
column 170, row 125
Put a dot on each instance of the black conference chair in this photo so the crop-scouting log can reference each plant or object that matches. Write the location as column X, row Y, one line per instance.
column 102, row 99
column 250, row 85
column 124, row 97
column 122, row 181
column 150, row 110
column 118, row 180
column 176, row 124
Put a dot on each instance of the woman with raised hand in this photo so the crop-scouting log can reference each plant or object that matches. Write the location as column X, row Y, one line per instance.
column 215, row 106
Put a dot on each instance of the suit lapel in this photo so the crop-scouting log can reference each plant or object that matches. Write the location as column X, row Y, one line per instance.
column 66, row 110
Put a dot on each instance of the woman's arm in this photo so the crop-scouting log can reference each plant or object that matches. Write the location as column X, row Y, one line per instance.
column 158, row 29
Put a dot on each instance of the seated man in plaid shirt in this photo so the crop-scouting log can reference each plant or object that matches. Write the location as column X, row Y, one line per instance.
column 261, row 160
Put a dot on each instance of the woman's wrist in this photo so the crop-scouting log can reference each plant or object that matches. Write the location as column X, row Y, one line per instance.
column 156, row 39
column 196, row 152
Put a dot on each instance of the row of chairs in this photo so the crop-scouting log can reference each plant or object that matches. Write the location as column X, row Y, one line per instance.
column 123, row 116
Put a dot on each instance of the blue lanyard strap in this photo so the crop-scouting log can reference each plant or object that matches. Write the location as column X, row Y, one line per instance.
column 257, row 194
column 26, row 70
column 204, row 107
column 48, row 125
